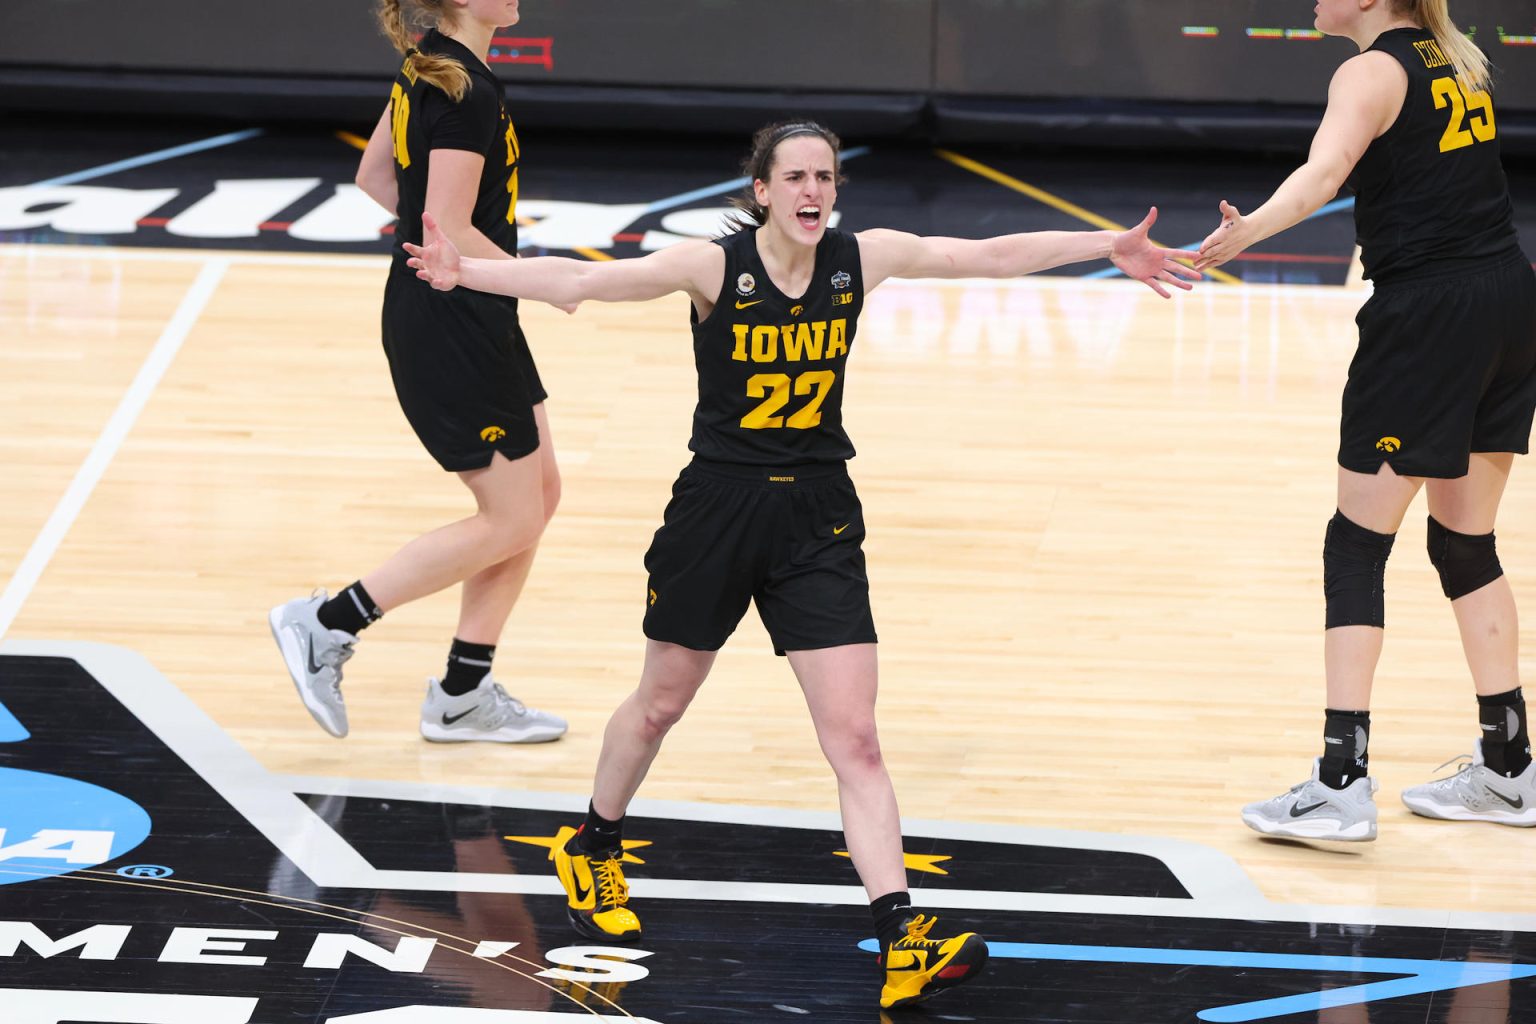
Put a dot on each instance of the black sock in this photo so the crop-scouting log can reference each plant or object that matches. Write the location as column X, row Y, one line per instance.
column 467, row 664
column 890, row 913
column 1346, row 743
column 598, row 833
column 1506, row 742
column 350, row 611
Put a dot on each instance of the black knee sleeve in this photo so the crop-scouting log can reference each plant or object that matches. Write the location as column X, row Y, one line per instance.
column 1465, row 562
column 1354, row 573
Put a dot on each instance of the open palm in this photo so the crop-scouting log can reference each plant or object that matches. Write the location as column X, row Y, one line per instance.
column 1134, row 254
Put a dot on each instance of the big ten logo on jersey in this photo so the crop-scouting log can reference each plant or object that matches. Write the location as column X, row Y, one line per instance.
column 815, row 341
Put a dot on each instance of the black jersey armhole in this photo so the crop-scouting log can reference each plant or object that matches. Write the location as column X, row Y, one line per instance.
column 725, row 275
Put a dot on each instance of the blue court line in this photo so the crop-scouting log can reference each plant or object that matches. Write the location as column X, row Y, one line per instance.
column 726, row 186
column 11, row 730
column 148, row 158
column 1334, row 207
column 1422, row 976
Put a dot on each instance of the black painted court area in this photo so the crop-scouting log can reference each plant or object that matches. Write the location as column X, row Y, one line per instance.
column 236, row 921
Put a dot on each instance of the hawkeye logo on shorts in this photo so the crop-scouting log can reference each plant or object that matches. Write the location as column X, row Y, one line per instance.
column 1388, row 445
column 653, row 597
column 492, row 434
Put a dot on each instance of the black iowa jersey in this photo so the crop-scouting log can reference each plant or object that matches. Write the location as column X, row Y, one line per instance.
column 425, row 118
column 770, row 366
column 1431, row 196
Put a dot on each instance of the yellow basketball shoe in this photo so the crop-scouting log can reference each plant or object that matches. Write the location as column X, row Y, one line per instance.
column 596, row 894
column 918, row 966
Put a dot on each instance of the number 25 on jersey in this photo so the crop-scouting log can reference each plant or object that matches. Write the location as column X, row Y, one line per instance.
column 1471, row 114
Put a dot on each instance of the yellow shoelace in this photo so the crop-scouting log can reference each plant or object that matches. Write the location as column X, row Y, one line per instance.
column 917, row 932
column 612, row 889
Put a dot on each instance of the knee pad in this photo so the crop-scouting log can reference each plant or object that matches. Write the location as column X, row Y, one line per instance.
column 1355, row 573
column 1465, row 562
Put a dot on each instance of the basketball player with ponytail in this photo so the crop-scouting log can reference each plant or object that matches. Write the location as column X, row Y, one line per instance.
column 1440, row 395
column 464, row 376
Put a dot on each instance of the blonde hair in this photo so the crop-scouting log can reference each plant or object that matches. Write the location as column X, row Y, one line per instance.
column 1471, row 63
column 444, row 72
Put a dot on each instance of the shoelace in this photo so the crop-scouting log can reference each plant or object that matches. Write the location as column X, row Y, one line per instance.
column 612, row 889
column 1463, row 763
column 917, row 933
column 504, row 705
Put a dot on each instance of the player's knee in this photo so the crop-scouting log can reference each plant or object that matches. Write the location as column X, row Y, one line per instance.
column 855, row 749
column 1354, row 573
column 660, row 712
column 1465, row 562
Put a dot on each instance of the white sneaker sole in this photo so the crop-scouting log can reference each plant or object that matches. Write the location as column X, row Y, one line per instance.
column 1317, row 828
column 1457, row 812
column 293, row 659
column 434, row 733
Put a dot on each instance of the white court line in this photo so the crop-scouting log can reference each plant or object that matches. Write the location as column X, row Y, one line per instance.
column 106, row 446
column 1219, row 888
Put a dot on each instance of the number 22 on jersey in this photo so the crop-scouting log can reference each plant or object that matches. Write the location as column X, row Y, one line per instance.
column 1471, row 114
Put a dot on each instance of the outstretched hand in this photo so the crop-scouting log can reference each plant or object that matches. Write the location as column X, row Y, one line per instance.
column 1137, row 258
column 1228, row 241
column 436, row 260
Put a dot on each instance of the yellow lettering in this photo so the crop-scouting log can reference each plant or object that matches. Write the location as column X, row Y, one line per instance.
column 803, row 341
column 765, row 344
column 741, row 331
column 400, row 115
column 838, row 344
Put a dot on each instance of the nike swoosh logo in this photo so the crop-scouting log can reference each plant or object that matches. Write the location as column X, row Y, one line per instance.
column 1518, row 803
column 1299, row 810
column 310, row 656
column 836, row 530
column 748, row 305
column 582, row 894
column 450, row 719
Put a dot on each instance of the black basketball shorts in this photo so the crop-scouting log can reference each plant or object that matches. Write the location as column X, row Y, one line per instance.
column 462, row 371
column 789, row 539
column 1446, row 367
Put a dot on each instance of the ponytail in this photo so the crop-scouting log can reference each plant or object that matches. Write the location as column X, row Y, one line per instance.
column 1470, row 62
column 445, row 73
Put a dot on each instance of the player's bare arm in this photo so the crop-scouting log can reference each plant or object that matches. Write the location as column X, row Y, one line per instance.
column 888, row 254
column 1363, row 100
column 694, row 267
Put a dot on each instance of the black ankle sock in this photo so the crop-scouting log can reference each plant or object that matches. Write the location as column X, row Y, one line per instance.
column 1346, row 744
column 467, row 664
column 350, row 611
column 1506, row 739
column 598, row 833
column 890, row 913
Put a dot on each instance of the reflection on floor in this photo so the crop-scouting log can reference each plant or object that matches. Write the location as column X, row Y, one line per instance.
column 157, row 874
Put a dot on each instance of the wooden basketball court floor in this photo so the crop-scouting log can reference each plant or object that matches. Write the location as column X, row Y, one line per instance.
column 1094, row 541
column 1095, row 527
